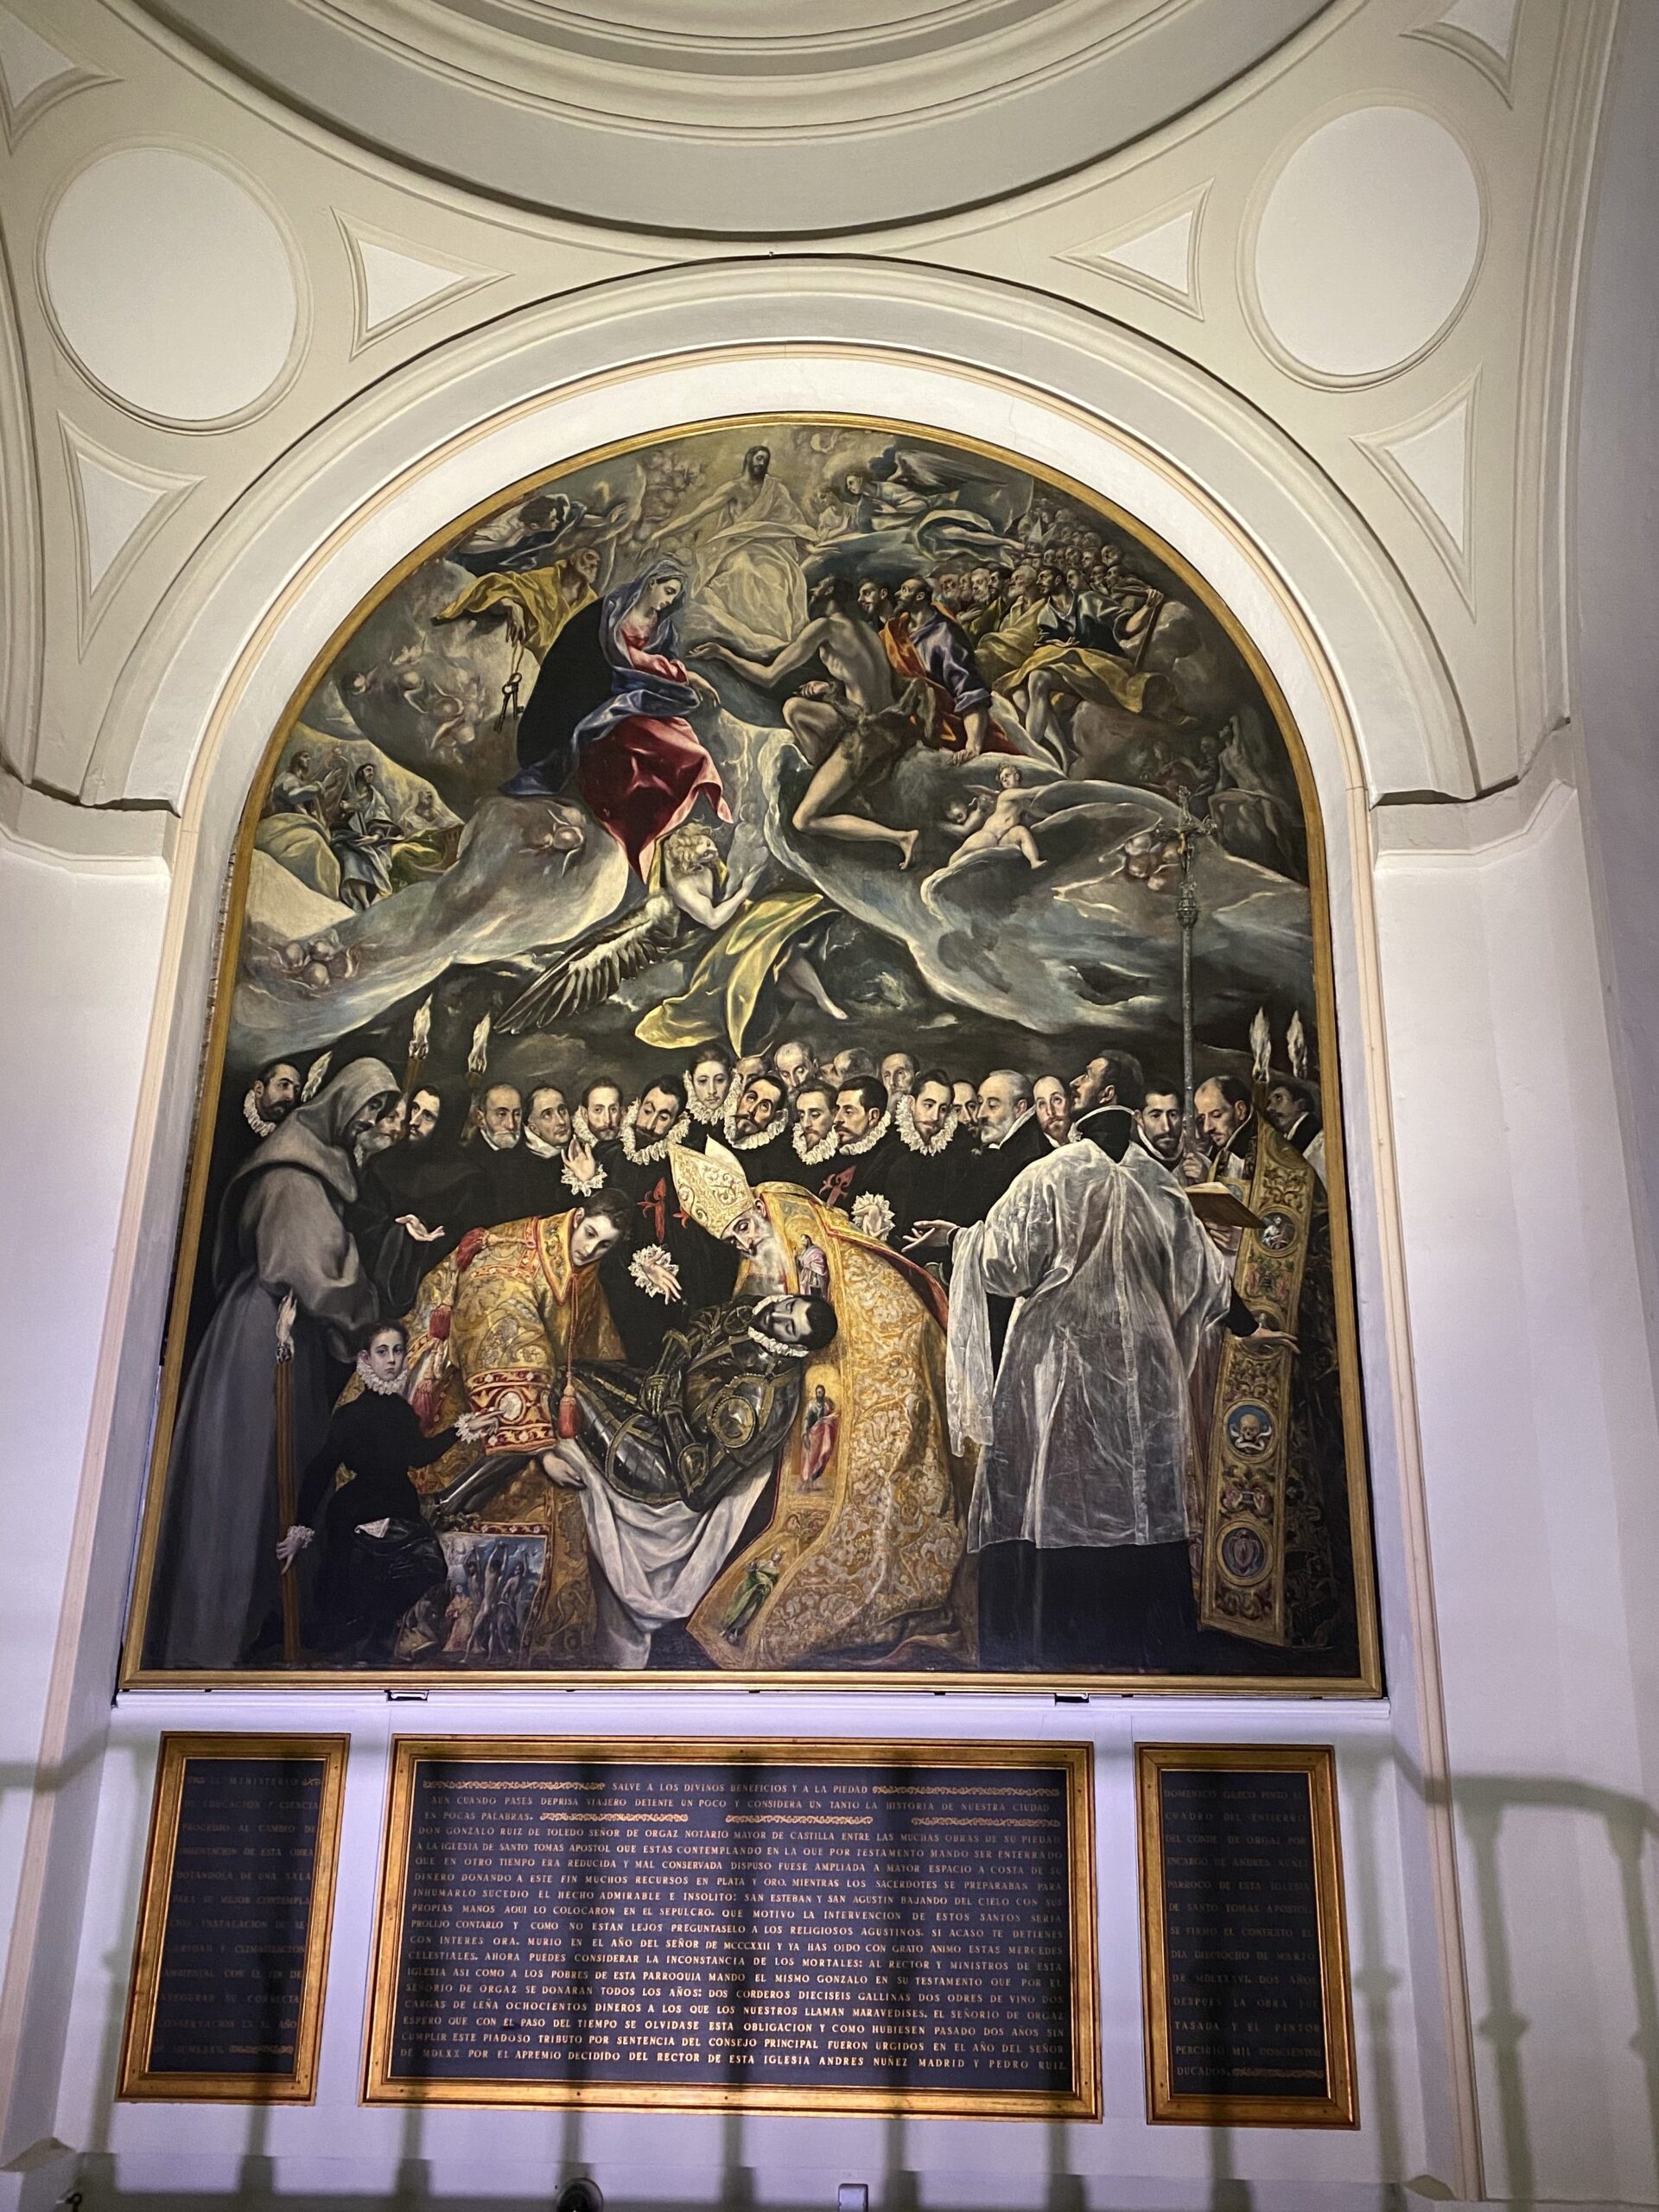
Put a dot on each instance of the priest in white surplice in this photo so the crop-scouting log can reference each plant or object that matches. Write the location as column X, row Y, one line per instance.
column 1078, row 1515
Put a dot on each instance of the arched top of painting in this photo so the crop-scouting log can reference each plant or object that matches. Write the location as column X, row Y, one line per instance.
column 991, row 723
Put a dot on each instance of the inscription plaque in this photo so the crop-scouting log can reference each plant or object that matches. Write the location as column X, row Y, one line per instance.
column 1249, row 2019
column 233, row 1944
column 862, row 1927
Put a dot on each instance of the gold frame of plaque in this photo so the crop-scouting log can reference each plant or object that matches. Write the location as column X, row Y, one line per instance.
column 1339, row 2107
column 137, row 2081
column 1083, row 2101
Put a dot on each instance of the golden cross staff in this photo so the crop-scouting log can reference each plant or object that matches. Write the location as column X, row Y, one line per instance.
column 288, row 1489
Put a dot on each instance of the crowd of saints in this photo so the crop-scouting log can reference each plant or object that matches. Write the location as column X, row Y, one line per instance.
column 721, row 1165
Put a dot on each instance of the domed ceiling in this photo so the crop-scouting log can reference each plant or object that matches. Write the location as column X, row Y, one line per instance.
column 742, row 117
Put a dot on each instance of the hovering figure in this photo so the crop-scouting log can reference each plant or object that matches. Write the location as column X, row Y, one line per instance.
column 748, row 536
column 363, row 836
column 851, row 730
column 988, row 822
column 608, row 710
column 687, row 886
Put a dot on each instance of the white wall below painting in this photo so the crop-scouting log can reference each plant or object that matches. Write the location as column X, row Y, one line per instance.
column 686, row 2159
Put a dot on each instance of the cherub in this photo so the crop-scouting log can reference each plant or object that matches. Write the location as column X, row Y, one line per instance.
column 985, row 822
column 1152, row 857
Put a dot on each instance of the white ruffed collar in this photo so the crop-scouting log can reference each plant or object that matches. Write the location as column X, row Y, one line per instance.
column 867, row 1142
column 581, row 1132
column 903, row 1120
column 783, row 1351
column 813, row 1156
column 647, row 1155
column 255, row 1119
column 373, row 1382
column 744, row 1144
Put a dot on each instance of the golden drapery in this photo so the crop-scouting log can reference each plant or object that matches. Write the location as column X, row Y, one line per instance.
column 864, row 1567
column 544, row 599
column 725, row 988
column 493, row 1328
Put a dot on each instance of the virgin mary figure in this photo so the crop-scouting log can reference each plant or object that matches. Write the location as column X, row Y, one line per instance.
column 608, row 712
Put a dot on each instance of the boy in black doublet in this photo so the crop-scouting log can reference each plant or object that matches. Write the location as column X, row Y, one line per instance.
column 379, row 1557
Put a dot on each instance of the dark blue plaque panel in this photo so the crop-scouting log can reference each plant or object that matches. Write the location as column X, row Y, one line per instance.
column 238, row 1906
column 1242, row 1935
column 781, row 1926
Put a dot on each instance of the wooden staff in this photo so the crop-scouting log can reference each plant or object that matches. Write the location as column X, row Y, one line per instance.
column 288, row 1492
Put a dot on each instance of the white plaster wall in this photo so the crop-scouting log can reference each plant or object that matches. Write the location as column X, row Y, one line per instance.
column 1537, row 1424
column 77, row 983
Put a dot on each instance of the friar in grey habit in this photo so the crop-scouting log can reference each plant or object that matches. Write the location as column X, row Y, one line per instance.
column 281, row 1229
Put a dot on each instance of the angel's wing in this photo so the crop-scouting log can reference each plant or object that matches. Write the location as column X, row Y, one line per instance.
column 581, row 979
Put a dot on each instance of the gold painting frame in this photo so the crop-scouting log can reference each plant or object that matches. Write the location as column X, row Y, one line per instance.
column 1082, row 2101
column 1339, row 2107
column 136, row 2080
column 1365, row 1683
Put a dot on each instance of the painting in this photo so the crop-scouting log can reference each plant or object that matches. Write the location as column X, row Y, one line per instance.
column 771, row 1112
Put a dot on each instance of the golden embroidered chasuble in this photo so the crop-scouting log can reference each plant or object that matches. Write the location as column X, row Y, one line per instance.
column 862, row 1566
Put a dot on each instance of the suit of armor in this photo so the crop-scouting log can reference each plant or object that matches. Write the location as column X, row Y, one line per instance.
column 720, row 1400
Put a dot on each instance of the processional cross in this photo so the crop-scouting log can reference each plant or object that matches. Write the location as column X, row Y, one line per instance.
column 1189, row 829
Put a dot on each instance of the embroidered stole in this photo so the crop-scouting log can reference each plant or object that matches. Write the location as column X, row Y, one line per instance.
column 1242, row 1582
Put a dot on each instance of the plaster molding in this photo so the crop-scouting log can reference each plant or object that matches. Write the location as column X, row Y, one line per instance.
column 57, row 832
column 1545, row 443
column 23, row 552
column 1479, row 31
column 118, row 505
column 394, row 282
column 35, row 74
column 443, row 403
column 826, row 131
column 91, row 338
column 1493, row 824
column 1430, row 461
column 1158, row 253
column 1358, row 254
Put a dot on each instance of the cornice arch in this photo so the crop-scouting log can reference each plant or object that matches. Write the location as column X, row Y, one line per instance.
column 725, row 121
column 1101, row 403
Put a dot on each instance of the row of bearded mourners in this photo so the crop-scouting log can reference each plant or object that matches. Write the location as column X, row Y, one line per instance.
column 765, row 1354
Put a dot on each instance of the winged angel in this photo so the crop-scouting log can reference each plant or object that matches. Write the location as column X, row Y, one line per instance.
column 688, row 905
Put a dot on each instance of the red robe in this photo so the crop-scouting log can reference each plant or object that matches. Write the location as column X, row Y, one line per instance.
column 641, row 777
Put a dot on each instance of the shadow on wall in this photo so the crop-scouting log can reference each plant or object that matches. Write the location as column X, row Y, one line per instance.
column 1628, row 1826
